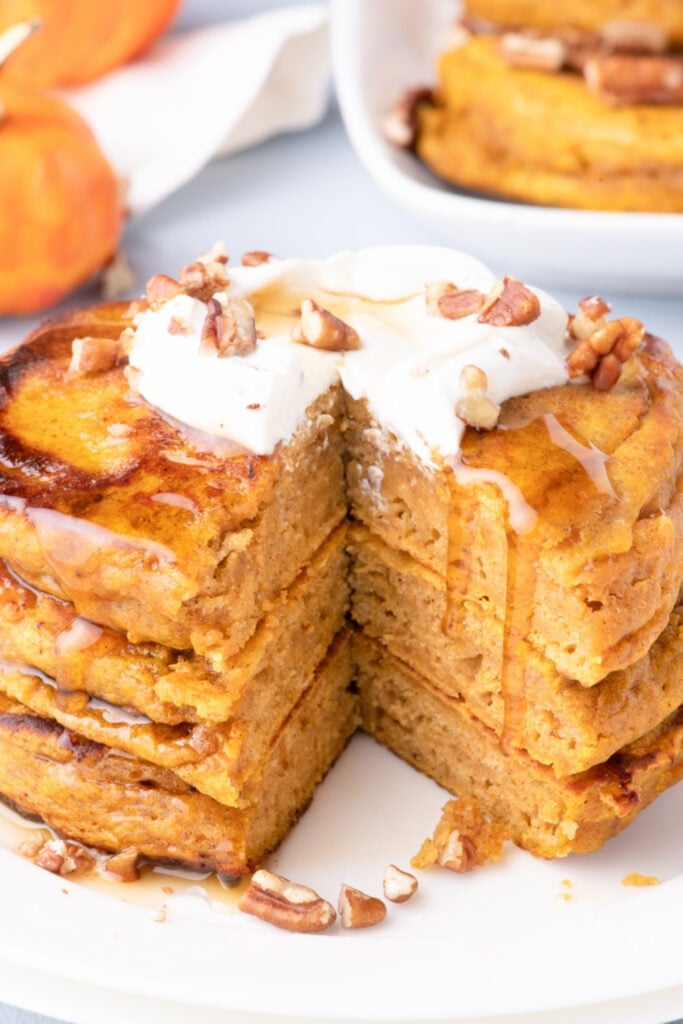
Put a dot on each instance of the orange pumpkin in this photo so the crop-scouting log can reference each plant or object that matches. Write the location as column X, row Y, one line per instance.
column 60, row 209
column 80, row 40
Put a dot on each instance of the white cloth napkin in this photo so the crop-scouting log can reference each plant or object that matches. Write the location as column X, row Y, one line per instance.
column 214, row 90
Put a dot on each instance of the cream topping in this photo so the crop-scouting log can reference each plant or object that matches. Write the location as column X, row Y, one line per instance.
column 408, row 365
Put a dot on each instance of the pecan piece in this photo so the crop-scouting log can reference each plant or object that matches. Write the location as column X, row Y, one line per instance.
column 123, row 866
column 593, row 312
column 203, row 278
column 63, row 857
column 626, row 79
column 358, row 910
column 510, row 304
column 256, row 257
column 176, row 325
column 458, row 853
column 399, row 126
column 447, row 300
column 475, row 408
column 216, row 254
column 161, row 288
column 285, row 904
column 397, row 885
column 321, row 329
column 90, row 356
column 532, row 52
column 606, row 373
column 634, row 37
column 602, row 354
column 229, row 328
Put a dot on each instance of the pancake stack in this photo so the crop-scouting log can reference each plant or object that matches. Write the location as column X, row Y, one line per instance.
column 179, row 668
column 520, row 615
column 566, row 104
column 175, row 662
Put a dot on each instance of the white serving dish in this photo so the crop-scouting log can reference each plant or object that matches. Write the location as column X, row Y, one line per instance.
column 384, row 47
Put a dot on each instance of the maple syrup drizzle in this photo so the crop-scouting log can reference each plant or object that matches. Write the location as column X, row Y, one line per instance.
column 159, row 885
column 79, row 636
column 593, row 461
column 560, row 459
column 69, row 542
column 521, row 517
column 519, row 597
column 277, row 306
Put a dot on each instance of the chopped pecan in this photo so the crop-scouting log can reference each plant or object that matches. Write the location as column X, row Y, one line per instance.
column 463, row 839
column 123, row 866
column 285, row 904
column 458, row 853
column 202, row 279
column 321, row 329
column 358, row 910
column 606, row 373
column 398, row 886
column 256, row 257
column 602, row 354
column 510, row 304
column 399, row 126
column 634, row 37
column 447, row 300
column 161, row 288
column 536, row 53
column 126, row 340
column 593, row 312
column 626, row 79
column 90, row 356
column 229, row 328
column 216, row 254
column 176, row 325
column 63, row 857
column 474, row 408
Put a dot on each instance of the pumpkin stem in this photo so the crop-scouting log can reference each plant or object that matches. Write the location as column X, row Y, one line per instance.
column 12, row 38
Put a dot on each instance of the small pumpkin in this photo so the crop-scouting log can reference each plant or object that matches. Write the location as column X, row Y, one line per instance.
column 60, row 206
column 81, row 39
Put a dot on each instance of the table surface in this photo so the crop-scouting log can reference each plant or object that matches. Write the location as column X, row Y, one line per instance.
column 304, row 194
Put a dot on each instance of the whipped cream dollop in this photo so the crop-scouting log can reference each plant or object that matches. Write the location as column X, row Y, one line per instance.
column 408, row 366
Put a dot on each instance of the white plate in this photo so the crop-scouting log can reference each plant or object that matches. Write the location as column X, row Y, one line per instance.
column 384, row 47
column 501, row 940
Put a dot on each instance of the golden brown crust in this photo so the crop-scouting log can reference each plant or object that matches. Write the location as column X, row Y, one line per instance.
column 88, row 792
column 587, row 15
column 546, row 138
column 146, row 528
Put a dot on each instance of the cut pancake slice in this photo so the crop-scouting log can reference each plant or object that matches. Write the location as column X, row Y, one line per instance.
column 563, row 526
column 162, row 532
column 222, row 760
column 567, row 726
column 111, row 799
column 176, row 687
column 547, row 816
